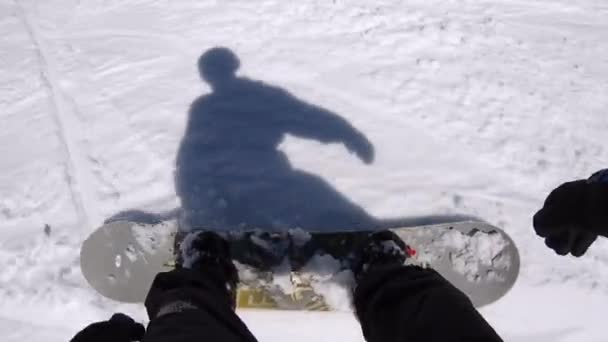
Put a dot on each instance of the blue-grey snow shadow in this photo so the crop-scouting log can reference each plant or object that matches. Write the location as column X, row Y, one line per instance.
column 230, row 173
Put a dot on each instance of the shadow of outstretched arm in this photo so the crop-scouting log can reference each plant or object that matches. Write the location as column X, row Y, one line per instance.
column 313, row 122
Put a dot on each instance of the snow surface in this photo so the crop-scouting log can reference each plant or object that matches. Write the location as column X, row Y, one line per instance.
column 475, row 107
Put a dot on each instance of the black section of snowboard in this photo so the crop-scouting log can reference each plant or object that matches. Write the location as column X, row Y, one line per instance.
column 273, row 247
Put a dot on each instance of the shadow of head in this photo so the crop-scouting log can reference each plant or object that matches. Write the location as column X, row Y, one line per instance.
column 218, row 66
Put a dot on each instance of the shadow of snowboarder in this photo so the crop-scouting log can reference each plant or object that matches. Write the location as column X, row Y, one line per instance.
column 230, row 173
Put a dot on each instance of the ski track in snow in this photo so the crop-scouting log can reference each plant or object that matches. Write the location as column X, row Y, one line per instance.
column 474, row 107
column 65, row 125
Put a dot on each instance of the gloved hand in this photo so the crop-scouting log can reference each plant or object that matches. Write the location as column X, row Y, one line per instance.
column 573, row 216
column 120, row 328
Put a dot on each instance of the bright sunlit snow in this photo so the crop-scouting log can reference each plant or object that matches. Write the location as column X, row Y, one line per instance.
column 472, row 107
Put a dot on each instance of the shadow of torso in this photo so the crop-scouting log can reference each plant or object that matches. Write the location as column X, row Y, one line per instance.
column 230, row 173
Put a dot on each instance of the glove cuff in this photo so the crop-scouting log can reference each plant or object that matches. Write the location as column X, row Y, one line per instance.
column 599, row 177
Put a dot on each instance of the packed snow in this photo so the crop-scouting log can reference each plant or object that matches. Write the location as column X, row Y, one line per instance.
column 152, row 237
column 471, row 107
column 470, row 253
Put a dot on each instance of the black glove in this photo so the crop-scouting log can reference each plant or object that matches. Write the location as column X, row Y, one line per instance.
column 573, row 216
column 120, row 328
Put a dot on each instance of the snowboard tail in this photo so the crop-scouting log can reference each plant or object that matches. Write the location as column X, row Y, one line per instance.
column 297, row 269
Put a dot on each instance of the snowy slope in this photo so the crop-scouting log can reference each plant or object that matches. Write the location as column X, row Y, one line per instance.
column 474, row 107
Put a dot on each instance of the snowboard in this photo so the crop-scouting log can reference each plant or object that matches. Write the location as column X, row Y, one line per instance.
column 297, row 269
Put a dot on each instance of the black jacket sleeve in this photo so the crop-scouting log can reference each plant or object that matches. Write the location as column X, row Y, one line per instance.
column 596, row 210
column 409, row 303
column 186, row 307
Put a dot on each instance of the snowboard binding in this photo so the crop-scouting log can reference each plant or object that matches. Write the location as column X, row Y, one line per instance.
column 209, row 254
column 380, row 249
